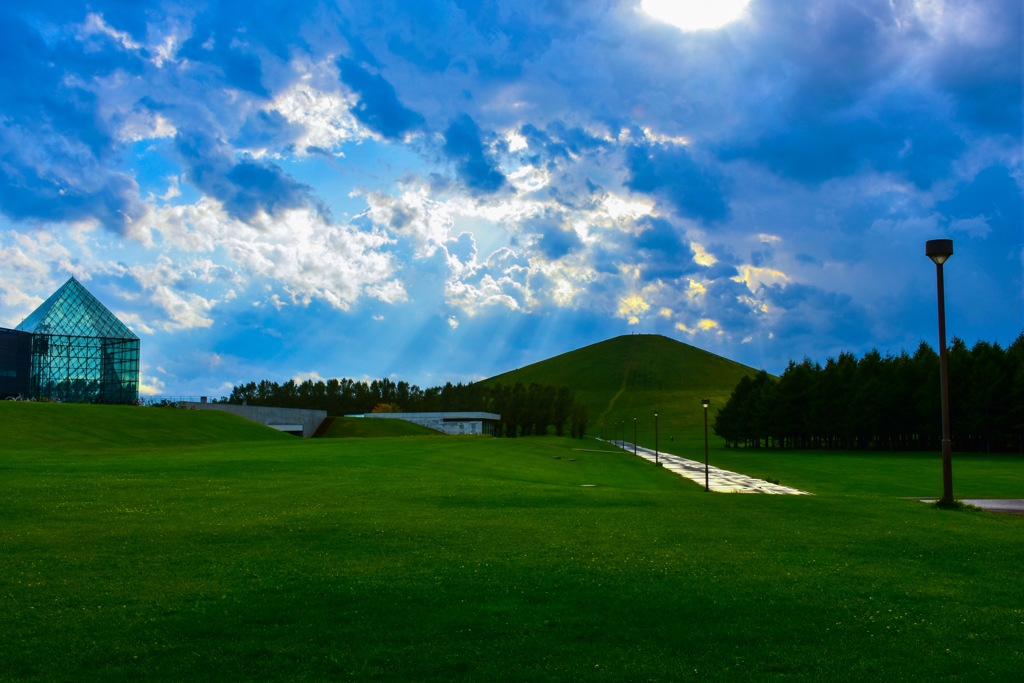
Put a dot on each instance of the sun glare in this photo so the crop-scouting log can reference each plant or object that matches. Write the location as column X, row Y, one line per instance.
column 695, row 15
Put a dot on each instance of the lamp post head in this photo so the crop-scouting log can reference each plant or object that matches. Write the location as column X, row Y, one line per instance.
column 705, row 402
column 939, row 251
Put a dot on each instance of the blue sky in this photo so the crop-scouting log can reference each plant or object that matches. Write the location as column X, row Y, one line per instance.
column 442, row 191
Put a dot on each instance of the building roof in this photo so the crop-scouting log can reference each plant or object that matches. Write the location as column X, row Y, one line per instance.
column 73, row 311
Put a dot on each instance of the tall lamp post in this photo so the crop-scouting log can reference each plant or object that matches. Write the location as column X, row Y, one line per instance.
column 939, row 252
column 634, row 436
column 706, row 402
column 656, row 460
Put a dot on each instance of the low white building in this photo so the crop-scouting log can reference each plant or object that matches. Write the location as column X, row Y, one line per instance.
column 448, row 423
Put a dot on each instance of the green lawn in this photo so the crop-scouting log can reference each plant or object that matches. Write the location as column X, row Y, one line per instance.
column 264, row 557
column 344, row 427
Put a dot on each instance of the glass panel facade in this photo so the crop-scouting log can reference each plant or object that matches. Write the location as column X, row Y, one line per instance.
column 80, row 351
column 84, row 369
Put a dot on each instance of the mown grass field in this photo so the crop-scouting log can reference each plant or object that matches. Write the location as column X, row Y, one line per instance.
column 348, row 427
column 177, row 545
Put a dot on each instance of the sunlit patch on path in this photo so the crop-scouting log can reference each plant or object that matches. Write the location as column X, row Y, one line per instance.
column 719, row 480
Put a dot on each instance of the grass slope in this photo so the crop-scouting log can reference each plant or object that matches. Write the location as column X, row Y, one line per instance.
column 636, row 376
column 347, row 427
column 77, row 427
column 538, row 559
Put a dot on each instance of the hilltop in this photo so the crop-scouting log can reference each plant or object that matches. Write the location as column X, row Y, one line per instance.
column 635, row 376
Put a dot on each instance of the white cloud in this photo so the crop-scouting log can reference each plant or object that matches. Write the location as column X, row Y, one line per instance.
column 305, row 256
column 516, row 142
column 755, row 277
column 695, row 16
column 474, row 281
column 135, row 322
column 311, row 375
column 96, row 25
column 184, row 311
column 701, row 255
column 150, row 385
column 632, row 306
column 28, row 260
column 139, row 125
column 529, row 178
column 323, row 115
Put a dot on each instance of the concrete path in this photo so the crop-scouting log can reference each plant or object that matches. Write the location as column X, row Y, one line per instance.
column 1010, row 506
column 722, row 481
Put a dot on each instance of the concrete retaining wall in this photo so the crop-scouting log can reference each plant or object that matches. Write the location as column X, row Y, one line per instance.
column 447, row 423
column 286, row 419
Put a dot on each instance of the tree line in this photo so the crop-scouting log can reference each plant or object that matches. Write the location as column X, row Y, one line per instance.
column 525, row 410
column 883, row 402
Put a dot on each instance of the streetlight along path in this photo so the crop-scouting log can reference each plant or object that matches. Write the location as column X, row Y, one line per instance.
column 722, row 481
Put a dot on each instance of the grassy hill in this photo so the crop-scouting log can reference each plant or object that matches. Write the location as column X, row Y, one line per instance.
column 78, row 427
column 636, row 376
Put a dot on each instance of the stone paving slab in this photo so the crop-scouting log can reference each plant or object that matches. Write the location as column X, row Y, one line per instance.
column 722, row 481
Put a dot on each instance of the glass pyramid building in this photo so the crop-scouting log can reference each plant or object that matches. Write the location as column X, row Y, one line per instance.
column 79, row 351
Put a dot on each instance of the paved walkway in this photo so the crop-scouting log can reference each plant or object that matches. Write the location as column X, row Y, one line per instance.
column 1010, row 506
column 722, row 481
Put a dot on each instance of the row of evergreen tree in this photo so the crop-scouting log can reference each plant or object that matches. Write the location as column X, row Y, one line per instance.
column 883, row 402
column 525, row 410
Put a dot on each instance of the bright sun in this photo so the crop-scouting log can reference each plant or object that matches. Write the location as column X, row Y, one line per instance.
column 695, row 15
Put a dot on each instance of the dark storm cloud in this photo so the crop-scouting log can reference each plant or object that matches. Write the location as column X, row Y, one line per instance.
column 557, row 142
column 720, row 271
column 111, row 199
column 990, row 210
column 664, row 253
column 236, row 67
column 986, row 79
column 724, row 297
column 671, row 174
column 899, row 135
column 825, row 55
column 555, row 240
column 245, row 186
column 224, row 35
column 815, row 316
column 994, row 195
column 851, row 88
column 378, row 107
column 463, row 145
column 267, row 130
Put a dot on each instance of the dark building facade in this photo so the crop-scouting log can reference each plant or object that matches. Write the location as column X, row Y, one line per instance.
column 15, row 361
column 71, row 348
